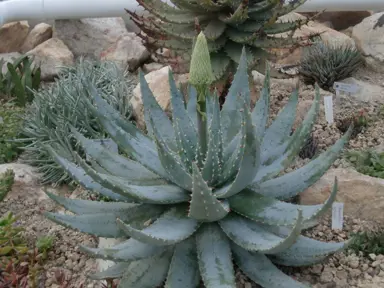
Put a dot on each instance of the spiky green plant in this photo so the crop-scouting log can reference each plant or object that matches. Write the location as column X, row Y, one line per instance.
column 63, row 103
column 21, row 78
column 228, row 26
column 187, row 210
column 324, row 63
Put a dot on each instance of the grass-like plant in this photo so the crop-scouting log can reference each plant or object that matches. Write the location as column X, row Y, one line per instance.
column 6, row 182
column 64, row 103
column 324, row 63
column 21, row 78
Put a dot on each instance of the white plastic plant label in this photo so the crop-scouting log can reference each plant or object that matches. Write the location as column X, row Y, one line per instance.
column 346, row 87
column 108, row 143
column 328, row 106
column 337, row 216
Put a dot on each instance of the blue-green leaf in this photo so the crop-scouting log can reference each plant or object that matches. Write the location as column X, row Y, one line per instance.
column 79, row 206
column 130, row 250
column 81, row 176
column 113, row 272
column 260, row 269
column 261, row 111
column 192, row 104
column 215, row 260
column 172, row 227
column 147, row 273
column 254, row 237
column 212, row 167
column 280, row 129
column 186, row 135
column 104, row 224
column 286, row 186
column 250, row 161
column 160, row 118
column 113, row 162
column 239, row 92
column 268, row 210
column 176, row 171
column 204, row 206
column 184, row 269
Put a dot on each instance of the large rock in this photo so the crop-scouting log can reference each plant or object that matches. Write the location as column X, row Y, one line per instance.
column 327, row 34
column 26, row 181
column 362, row 195
column 158, row 83
column 90, row 36
column 50, row 55
column 8, row 58
column 369, row 37
column 39, row 34
column 127, row 52
column 340, row 20
column 12, row 36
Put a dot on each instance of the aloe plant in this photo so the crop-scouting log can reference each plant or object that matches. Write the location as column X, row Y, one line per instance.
column 201, row 190
column 228, row 26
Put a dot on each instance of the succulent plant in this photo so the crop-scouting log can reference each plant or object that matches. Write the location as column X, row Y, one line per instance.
column 62, row 102
column 228, row 26
column 200, row 190
column 324, row 63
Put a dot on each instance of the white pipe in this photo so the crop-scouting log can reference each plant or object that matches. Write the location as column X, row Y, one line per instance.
column 17, row 10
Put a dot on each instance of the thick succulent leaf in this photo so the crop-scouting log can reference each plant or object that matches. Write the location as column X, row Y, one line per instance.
column 287, row 186
column 288, row 7
column 85, row 180
column 160, row 118
column 184, row 269
column 249, row 163
column 239, row 16
column 79, row 206
column 283, row 155
column 104, row 224
column 220, row 63
column 204, row 206
column 101, row 109
column 260, row 269
column 141, row 148
column 180, row 31
column 147, row 273
column 215, row 46
column 214, row 29
column 213, row 162
column 307, row 251
column 239, row 92
column 176, row 171
column 261, row 111
column 186, row 134
column 113, row 162
column 156, row 193
column 214, row 255
column 262, row 6
column 170, row 228
column 277, row 28
column 192, row 104
column 130, row 250
column 281, row 127
column 268, row 210
column 113, row 272
column 252, row 237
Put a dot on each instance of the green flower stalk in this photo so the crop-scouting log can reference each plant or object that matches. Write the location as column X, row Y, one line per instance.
column 201, row 77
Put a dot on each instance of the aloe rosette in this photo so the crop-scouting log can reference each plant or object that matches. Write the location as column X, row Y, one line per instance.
column 201, row 191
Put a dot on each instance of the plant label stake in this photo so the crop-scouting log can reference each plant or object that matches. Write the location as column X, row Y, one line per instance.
column 337, row 216
column 328, row 105
column 107, row 143
column 346, row 88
